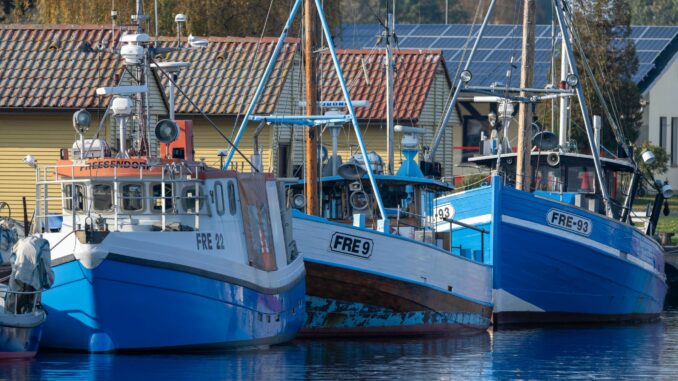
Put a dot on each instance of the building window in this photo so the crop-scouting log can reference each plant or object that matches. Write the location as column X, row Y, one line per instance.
column 662, row 132
column 102, row 197
column 133, row 197
column 674, row 142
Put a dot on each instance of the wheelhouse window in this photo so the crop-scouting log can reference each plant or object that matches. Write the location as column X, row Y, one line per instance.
column 102, row 197
column 219, row 198
column 70, row 198
column 191, row 196
column 232, row 207
column 133, row 197
column 580, row 179
column 548, row 179
column 157, row 197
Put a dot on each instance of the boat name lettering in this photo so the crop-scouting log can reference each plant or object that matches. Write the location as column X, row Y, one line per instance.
column 118, row 164
column 568, row 221
column 204, row 241
column 351, row 245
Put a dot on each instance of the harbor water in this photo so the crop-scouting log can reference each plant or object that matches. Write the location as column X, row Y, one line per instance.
column 633, row 351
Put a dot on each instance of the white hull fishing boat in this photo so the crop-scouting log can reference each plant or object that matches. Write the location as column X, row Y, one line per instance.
column 366, row 274
column 21, row 315
column 158, row 251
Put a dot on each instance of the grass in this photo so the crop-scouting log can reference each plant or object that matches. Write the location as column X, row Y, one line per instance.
column 669, row 224
column 640, row 203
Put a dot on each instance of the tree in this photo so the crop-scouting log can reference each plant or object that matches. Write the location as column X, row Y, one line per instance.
column 204, row 17
column 654, row 12
column 603, row 28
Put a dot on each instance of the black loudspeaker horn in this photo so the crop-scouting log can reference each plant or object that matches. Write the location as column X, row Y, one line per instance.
column 545, row 140
column 350, row 171
column 166, row 131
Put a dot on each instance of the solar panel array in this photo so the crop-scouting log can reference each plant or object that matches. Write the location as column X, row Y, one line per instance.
column 499, row 45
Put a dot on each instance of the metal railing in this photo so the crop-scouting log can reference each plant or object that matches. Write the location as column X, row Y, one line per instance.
column 20, row 302
column 474, row 228
column 171, row 176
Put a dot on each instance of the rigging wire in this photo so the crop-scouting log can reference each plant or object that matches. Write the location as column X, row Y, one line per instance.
column 197, row 108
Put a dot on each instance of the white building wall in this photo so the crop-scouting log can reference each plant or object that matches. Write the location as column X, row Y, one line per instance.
column 662, row 96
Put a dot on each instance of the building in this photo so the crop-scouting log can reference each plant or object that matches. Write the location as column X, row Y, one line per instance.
column 49, row 72
column 657, row 75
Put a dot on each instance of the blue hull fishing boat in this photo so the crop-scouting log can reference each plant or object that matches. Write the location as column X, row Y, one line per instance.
column 156, row 250
column 562, row 243
column 366, row 272
column 556, row 262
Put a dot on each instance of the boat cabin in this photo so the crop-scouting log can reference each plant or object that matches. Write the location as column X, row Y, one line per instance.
column 568, row 177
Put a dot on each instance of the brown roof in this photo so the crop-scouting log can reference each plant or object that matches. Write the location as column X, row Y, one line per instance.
column 45, row 67
column 365, row 75
column 224, row 76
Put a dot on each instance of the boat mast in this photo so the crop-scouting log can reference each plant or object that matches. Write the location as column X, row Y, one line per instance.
column 460, row 82
column 600, row 175
column 564, row 101
column 390, row 37
column 311, row 165
column 523, row 164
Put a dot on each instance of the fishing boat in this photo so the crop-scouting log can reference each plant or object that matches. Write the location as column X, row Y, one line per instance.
column 375, row 267
column 562, row 243
column 156, row 250
column 21, row 315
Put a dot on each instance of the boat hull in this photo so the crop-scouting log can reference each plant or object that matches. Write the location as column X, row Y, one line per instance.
column 127, row 305
column 345, row 302
column 18, row 342
column 399, row 289
column 548, row 272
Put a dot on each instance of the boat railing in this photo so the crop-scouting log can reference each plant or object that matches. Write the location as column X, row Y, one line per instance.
column 482, row 232
column 20, row 302
column 180, row 194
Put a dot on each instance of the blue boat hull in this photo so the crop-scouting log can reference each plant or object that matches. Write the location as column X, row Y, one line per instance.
column 546, row 271
column 120, row 306
column 19, row 342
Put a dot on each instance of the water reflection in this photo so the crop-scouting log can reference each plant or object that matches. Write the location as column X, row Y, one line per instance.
column 642, row 351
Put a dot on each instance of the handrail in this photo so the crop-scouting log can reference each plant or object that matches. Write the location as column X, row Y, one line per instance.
column 463, row 224
column 474, row 228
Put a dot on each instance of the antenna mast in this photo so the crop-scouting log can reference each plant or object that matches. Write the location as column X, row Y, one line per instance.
column 523, row 165
column 390, row 38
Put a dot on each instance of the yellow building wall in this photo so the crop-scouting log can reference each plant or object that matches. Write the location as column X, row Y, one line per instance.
column 38, row 134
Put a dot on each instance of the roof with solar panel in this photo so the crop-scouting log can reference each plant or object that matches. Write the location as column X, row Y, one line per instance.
column 655, row 47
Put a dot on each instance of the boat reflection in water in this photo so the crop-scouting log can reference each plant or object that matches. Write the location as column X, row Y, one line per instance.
column 634, row 351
